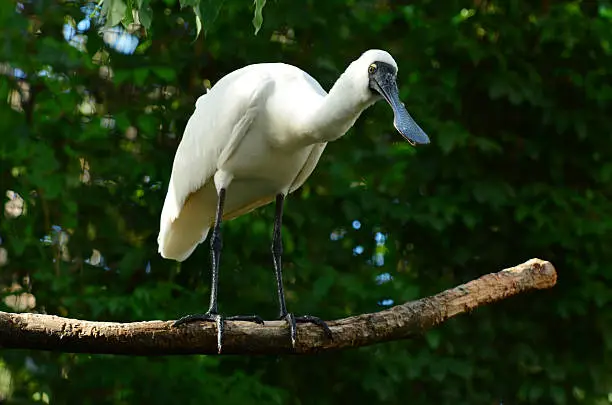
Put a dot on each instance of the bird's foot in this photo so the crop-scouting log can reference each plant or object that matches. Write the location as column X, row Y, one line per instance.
column 293, row 320
column 219, row 320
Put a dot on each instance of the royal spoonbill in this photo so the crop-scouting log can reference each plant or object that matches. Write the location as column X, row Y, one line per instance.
column 255, row 137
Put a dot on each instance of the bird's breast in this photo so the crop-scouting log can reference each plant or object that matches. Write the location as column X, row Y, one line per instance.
column 259, row 162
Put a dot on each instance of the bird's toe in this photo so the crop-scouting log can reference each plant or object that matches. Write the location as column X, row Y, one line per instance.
column 206, row 317
column 247, row 318
column 293, row 320
column 290, row 319
column 316, row 321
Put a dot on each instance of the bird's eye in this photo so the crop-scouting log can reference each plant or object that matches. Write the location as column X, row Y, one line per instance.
column 372, row 68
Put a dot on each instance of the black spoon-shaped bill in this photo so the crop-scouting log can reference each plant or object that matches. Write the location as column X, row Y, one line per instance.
column 383, row 81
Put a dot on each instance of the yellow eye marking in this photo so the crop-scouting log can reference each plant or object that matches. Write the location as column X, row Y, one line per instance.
column 372, row 68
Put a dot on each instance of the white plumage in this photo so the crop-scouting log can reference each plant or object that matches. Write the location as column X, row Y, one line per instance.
column 259, row 132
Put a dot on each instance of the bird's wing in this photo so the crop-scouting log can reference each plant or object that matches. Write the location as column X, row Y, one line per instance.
column 309, row 166
column 221, row 119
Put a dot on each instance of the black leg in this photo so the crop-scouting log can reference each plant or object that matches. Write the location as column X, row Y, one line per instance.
column 277, row 252
column 216, row 245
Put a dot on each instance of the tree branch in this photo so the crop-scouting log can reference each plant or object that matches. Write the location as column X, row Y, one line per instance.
column 48, row 332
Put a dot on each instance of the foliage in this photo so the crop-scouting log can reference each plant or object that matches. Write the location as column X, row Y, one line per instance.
column 516, row 97
column 140, row 12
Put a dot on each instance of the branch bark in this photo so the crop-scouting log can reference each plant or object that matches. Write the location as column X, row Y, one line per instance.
column 48, row 332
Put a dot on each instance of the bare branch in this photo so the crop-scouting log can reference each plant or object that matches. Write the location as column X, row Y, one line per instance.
column 48, row 332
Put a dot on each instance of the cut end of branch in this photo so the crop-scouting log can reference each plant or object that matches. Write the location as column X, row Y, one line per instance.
column 544, row 273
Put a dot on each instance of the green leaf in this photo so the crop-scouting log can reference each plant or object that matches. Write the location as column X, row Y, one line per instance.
column 147, row 124
column 145, row 14
column 433, row 338
column 558, row 395
column 198, row 17
column 128, row 17
column 258, row 17
column 114, row 11
column 209, row 11
column 121, row 75
column 165, row 73
column 605, row 11
column 197, row 11
column 140, row 75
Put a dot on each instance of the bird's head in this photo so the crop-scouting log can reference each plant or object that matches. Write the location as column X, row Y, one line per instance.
column 378, row 71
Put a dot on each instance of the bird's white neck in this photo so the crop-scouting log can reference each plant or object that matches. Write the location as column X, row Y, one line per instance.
column 339, row 109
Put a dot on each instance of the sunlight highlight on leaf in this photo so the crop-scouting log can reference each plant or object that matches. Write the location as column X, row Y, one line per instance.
column 198, row 17
column 258, row 18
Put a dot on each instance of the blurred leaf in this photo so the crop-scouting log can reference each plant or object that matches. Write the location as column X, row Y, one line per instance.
column 114, row 10
column 258, row 17
column 198, row 19
column 145, row 13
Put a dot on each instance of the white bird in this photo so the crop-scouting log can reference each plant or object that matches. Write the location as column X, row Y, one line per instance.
column 255, row 137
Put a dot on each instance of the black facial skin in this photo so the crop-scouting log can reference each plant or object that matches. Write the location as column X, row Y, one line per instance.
column 382, row 80
column 383, row 73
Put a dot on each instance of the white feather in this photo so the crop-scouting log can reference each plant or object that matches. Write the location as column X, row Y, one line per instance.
column 258, row 132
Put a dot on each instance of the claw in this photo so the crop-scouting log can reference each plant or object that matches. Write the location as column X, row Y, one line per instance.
column 317, row 321
column 293, row 320
column 209, row 316
column 220, row 329
column 247, row 318
column 219, row 321
column 292, row 328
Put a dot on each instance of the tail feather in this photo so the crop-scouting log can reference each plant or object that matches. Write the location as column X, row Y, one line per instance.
column 173, row 245
column 179, row 237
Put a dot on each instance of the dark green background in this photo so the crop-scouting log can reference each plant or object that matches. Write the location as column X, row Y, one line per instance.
column 516, row 97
